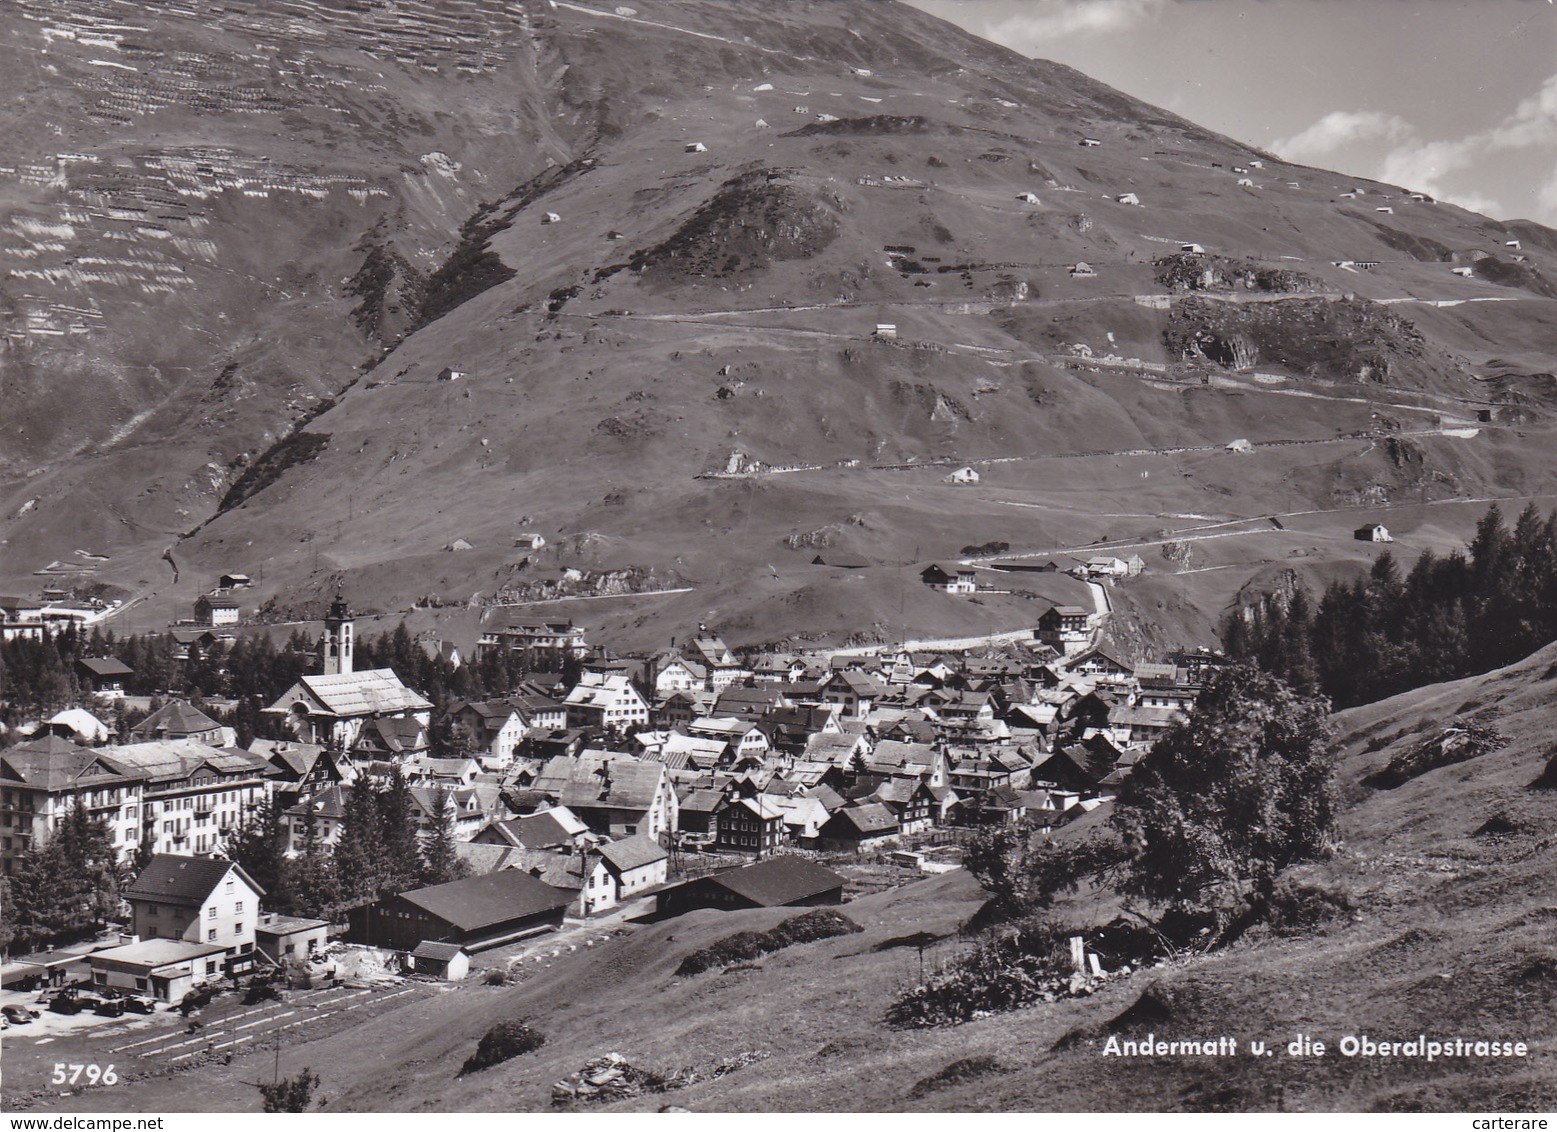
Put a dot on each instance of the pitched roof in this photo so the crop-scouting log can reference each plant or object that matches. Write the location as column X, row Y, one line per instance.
column 870, row 818
column 371, row 692
column 168, row 760
column 480, row 902
column 431, row 949
column 178, row 716
column 295, row 758
column 557, row 826
column 632, row 852
column 778, row 881
column 106, row 666
column 172, row 879
column 594, row 779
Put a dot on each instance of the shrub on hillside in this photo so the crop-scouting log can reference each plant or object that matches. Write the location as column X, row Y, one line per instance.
column 1457, row 743
column 823, row 923
column 1299, row 905
column 1003, row 972
column 504, row 1041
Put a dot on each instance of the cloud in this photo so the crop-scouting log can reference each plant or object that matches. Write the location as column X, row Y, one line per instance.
column 1341, row 128
column 1533, row 122
column 1042, row 21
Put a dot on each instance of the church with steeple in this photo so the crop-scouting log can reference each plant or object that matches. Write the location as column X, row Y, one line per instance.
column 336, row 705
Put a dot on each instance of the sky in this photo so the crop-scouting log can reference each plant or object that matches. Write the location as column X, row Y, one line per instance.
column 1454, row 98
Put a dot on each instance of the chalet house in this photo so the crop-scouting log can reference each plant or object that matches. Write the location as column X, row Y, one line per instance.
column 301, row 769
column 804, row 813
column 778, row 669
column 679, row 709
column 751, row 704
column 478, row 913
column 1373, row 532
column 544, row 829
column 539, row 708
column 789, row 729
column 1143, row 726
column 320, row 816
column 490, row 729
column 746, row 740
column 1104, row 668
column 197, row 643
column 859, row 827
column 965, row 476
column 855, row 692
column 1066, row 628
column 778, row 882
column 1068, row 769
column 674, row 673
column 234, row 581
column 615, row 795
column 606, row 702
column 635, row 865
column 105, row 677
column 179, row 720
column 201, row 900
column 699, row 811
column 216, row 609
column 723, row 667
column 750, row 825
column 911, row 803
column 332, row 709
column 959, row 580
column 917, row 761
column 394, row 739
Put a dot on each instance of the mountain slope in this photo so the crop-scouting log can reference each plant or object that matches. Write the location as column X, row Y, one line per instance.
column 741, row 196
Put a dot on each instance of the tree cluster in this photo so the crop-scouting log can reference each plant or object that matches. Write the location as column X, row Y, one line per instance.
column 1450, row 616
column 62, row 889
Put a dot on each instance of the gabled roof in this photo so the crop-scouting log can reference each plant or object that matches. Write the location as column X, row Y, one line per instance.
column 479, row 902
column 431, row 949
column 860, row 683
column 868, row 819
column 172, row 879
column 632, row 853
column 778, row 881
column 106, row 666
column 543, row 830
column 295, row 759
column 596, row 779
column 703, row 801
column 374, row 691
column 53, row 764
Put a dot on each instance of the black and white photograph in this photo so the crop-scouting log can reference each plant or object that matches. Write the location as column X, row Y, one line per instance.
column 566, row 558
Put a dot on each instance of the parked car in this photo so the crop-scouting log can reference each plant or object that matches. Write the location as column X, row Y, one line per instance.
column 135, row 1004
column 65, row 1003
column 109, row 1007
column 18, row 1015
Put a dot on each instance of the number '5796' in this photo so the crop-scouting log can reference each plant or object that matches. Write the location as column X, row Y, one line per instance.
column 83, row 1074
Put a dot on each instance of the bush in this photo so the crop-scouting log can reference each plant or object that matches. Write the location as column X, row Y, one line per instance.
column 1003, row 972
column 809, row 927
column 497, row 977
column 1298, row 906
column 504, row 1041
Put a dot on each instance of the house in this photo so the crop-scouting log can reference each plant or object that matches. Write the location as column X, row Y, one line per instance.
column 674, row 673
column 910, row 802
column 885, row 332
column 77, row 725
column 1028, row 198
column 963, row 475
column 696, row 147
column 1102, row 667
column 700, row 811
column 1129, row 198
column 319, row 817
column 491, row 730
column 460, row 544
column 21, row 619
column 804, row 815
column 1192, row 249
column 529, row 541
column 1066, row 628
column 751, row 704
column 1464, row 272
column 854, row 692
column 859, row 827
column 1373, row 532
column 749, row 825
column 744, row 739
column 162, row 969
column 615, row 795
column 446, row 961
column 180, row 720
column 552, row 828
column 301, row 769
column 216, row 609
column 333, row 708
column 723, row 667
column 1105, row 566
column 234, row 582
column 283, row 938
column 609, row 702
column 958, row 580
column 778, row 882
column 477, row 913
column 840, row 560
column 203, row 900
column 635, row 863
column 1083, row 270
column 105, row 676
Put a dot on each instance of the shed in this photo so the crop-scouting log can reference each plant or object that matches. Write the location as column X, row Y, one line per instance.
column 1083, row 270
column 279, row 938
column 234, row 581
column 448, row 373
column 1192, row 249
column 1089, row 143
column 778, row 882
column 460, row 544
column 696, row 147
column 1373, row 532
column 447, row 961
column 1247, row 183
column 1240, row 445
column 551, row 218
column 964, row 475
column 1028, row 198
column 1129, row 198
column 886, row 330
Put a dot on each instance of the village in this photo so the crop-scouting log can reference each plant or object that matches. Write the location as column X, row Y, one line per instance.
column 599, row 792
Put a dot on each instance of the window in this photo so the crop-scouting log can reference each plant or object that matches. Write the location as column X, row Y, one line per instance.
column 210, row 936
column 100, row 977
column 210, row 913
column 229, row 884
column 151, row 909
column 237, row 908
column 210, row 966
column 237, row 929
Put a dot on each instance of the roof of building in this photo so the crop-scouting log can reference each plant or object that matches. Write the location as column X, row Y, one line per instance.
column 272, row 924
column 168, row 760
column 82, row 722
column 703, row 801
column 157, row 952
column 632, row 852
column 53, row 764
column 293, row 758
column 556, row 826
column 600, row 778
column 432, row 949
column 172, row 879
column 869, row 818
column 482, row 901
column 374, row 691
column 179, row 717
column 778, row 881
column 106, row 666
column 600, row 689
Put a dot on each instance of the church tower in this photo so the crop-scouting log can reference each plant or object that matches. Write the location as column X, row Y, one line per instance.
column 335, row 646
